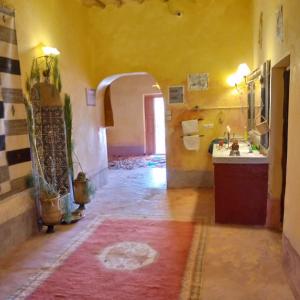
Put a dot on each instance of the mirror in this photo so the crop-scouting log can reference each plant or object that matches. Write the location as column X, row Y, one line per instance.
column 258, row 83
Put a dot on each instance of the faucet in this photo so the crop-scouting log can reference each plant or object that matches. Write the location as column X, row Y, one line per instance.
column 228, row 134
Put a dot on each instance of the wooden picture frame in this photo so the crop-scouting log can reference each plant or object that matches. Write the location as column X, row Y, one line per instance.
column 259, row 94
column 176, row 94
column 197, row 82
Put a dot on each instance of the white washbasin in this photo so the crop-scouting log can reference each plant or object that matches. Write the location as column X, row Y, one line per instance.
column 222, row 155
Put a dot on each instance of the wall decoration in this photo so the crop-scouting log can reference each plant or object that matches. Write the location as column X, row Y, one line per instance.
column 176, row 94
column 265, row 100
column 259, row 93
column 260, row 30
column 47, row 132
column 198, row 81
column 90, row 97
column 15, row 160
column 280, row 24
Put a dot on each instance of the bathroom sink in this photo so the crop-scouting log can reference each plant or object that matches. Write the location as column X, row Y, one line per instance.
column 222, row 155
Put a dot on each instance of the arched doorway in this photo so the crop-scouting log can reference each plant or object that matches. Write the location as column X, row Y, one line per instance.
column 134, row 113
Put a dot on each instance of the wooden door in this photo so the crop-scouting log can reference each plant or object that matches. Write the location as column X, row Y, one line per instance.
column 149, row 124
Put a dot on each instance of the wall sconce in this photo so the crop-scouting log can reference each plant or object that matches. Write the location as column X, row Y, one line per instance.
column 233, row 80
column 243, row 71
column 46, row 63
column 48, row 60
column 236, row 79
column 50, row 51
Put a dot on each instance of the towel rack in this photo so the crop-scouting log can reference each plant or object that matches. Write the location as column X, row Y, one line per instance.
column 200, row 119
column 200, row 135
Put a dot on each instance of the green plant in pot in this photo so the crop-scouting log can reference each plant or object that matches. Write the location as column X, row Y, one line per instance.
column 47, row 198
column 51, row 212
column 83, row 190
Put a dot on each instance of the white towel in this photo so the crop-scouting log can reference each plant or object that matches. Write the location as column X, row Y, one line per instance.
column 190, row 127
column 191, row 142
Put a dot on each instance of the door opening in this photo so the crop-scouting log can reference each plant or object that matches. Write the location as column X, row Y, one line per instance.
column 159, row 121
column 137, row 133
column 285, row 115
column 154, row 125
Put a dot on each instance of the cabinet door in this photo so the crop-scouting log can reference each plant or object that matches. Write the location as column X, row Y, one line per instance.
column 241, row 193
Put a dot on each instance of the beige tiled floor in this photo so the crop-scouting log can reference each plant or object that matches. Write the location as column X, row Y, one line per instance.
column 240, row 263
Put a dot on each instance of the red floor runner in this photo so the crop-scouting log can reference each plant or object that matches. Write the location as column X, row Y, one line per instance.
column 88, row 273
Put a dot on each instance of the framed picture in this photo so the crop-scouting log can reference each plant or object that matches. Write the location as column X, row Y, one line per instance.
column 90, row 97
column 198, row 81
column 280, row 24
column 176, row 94
column 259, row 95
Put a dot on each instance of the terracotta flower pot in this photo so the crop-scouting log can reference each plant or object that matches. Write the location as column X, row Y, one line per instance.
column 81, row 192
column 51, row 212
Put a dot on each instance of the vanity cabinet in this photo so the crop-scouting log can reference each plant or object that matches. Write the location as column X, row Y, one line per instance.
column 241, row 187
column 241, row 192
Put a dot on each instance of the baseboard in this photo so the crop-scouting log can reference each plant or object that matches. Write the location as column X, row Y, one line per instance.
column 189, row 179
column 19, row 222
column 291, row 263
column 273, row 213
column 126, row 150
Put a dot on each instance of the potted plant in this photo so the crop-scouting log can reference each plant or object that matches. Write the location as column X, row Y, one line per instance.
column 48, row 199
column 51, row 212
column 82, row 187
column 83, row 190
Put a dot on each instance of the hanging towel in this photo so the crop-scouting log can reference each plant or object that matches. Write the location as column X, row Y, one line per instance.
column 191, row 142
column 190, row 127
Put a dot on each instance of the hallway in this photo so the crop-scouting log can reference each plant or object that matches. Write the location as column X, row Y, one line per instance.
column 235, row 262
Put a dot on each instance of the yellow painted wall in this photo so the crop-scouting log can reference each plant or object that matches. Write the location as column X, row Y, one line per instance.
column 210, row 36
column 275, row 50
column 127, row 97
column 63, row 24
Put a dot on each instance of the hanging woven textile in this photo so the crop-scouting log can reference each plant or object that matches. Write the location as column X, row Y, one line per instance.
column 15, row 162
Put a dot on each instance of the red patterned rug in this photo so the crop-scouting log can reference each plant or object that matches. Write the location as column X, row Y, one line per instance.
column 130, row 259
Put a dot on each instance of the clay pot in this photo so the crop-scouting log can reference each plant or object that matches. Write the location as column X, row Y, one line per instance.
column 81, row 194
column 51, row 211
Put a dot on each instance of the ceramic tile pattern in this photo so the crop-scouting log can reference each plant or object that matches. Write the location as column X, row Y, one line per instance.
column 239, row 262
column 51, row 143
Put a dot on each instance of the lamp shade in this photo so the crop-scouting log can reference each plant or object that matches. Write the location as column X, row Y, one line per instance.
column 50, row 51
column 243, row 70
